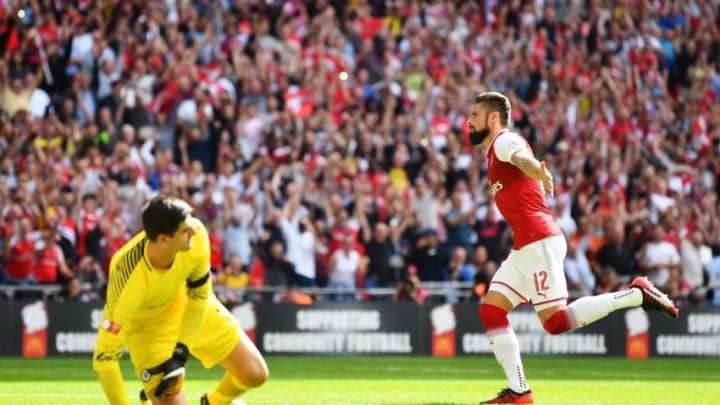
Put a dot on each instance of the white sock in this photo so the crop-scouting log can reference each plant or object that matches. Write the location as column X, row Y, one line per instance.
column 587, row 310
column 504, row 344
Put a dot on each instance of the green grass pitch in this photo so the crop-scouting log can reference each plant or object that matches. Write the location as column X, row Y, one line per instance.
column 394, row 380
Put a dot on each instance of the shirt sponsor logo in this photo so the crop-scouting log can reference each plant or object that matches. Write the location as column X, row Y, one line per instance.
column 496, row 187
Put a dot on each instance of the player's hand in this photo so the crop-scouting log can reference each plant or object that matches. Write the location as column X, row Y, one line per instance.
column 173, row 371
column 547, row 179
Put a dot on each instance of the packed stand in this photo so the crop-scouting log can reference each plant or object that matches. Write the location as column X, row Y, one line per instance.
column 324, row 142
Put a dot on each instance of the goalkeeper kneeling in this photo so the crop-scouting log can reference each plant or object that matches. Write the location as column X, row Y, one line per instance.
column 160, row 306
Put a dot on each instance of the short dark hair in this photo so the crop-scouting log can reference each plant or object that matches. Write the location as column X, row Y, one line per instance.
column 163, row 215
column 496, row 102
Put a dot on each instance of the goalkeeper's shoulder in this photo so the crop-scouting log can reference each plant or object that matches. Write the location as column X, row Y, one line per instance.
column 201, row 239
column 133, row 249
column 199, row 226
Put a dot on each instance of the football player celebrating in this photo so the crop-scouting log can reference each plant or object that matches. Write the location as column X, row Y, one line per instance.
column 533, row 271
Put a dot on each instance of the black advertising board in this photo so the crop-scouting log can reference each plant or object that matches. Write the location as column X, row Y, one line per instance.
column 339, row 328
column 695, row 333
column 10, row 335
column 35, row 328
column 38, row 328
column 73, row 327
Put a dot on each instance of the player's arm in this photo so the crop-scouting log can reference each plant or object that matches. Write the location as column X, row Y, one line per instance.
column 525, row 161
column 199, row 287
column 124, row 297
column 528, row 164
column 512, row 148
column 108, row 350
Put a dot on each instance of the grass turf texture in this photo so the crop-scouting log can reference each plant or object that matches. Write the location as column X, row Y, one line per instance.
column 393, row 380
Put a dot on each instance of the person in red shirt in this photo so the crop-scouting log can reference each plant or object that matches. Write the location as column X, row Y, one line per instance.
column 533, row 271
column 49, row 29
column 50, row 266
column 115, row 237
column 89, row 217
column 621, row 132
column 216, row 246
column 20, row 254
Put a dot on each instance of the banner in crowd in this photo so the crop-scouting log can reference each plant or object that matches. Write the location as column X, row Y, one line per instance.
column 34, row 328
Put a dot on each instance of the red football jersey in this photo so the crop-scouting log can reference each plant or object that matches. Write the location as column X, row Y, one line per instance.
column 48, row 264
column 21, row 258
column 216, row 251
column 113, row 246
column 88, row 220
column 520, row 198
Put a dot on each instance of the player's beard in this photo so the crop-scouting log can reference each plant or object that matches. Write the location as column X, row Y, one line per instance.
column 478, row 136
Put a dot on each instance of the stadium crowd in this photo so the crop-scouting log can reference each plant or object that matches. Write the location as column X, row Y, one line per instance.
column 324, row 142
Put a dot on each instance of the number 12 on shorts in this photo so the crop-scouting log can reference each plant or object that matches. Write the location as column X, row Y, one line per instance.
column 540, row 280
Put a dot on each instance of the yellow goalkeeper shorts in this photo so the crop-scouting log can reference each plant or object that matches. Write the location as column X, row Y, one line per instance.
column 151, row 344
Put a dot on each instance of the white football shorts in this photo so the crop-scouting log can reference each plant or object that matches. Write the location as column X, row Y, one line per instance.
column 534, row 274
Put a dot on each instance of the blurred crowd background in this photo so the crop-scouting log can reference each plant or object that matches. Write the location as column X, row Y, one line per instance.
column 324, row 142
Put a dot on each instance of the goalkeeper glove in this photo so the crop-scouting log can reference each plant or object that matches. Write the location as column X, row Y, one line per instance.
column 173, row 371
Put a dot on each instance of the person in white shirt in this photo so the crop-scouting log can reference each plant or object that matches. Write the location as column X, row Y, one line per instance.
column 345, row 263
column 561, row 210
column 300, row 239
column 239, row 218
column 578, row 271
column 425, row 204
column 660, row 261
column 696, row 259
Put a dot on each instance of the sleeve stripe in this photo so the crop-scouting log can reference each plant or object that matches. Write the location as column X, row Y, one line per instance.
column 199, row 282
column 124, row 267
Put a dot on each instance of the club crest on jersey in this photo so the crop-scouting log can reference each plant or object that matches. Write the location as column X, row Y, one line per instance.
column 496, row 187
column 111, row 326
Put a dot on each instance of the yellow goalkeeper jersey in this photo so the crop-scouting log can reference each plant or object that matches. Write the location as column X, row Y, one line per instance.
column 139, row 296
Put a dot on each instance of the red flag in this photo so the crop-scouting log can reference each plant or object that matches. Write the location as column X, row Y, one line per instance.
column 165, row 99
column 341, row 101
column 300, row 102
column 13, row 42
